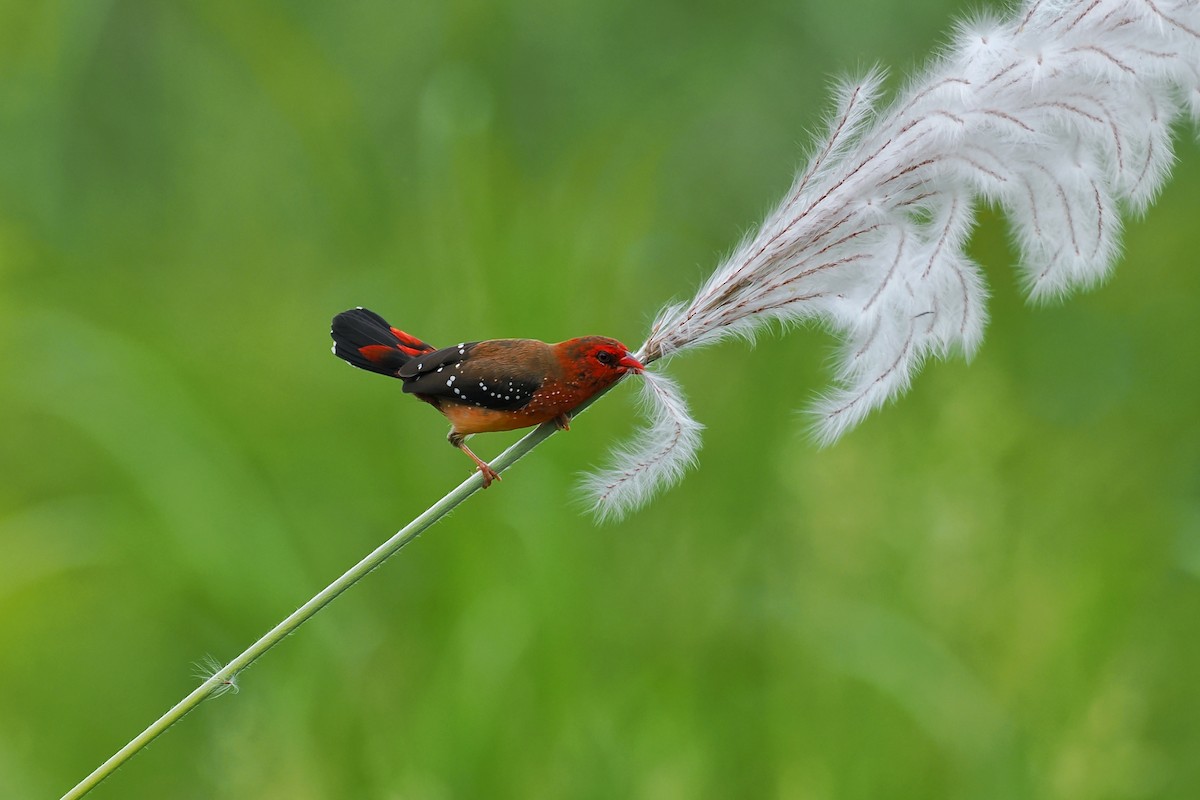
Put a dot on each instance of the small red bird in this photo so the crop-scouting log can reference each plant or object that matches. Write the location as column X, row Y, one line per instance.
column 496, row 385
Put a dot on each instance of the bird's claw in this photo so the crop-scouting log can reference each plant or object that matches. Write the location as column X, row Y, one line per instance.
column 488, row 474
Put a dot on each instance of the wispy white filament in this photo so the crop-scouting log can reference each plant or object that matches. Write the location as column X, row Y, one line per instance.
column 1060, row 114
column 209, row 666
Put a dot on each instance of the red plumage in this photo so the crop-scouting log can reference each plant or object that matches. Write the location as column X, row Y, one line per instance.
column 493, row 385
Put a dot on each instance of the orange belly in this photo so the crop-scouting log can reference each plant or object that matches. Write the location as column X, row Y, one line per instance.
column 476, row 419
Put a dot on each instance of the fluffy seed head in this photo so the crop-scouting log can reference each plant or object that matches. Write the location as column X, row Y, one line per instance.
column 1059, row 113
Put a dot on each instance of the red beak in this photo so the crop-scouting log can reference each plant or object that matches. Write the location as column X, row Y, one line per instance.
column 629, row 362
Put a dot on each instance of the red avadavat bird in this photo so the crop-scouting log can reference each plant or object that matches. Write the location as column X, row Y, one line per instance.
column 495, row 385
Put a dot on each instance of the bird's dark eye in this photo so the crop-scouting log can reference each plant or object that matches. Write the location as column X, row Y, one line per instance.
column 606, row 358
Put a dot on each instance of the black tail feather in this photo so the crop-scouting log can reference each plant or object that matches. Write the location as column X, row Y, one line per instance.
column 364, row 339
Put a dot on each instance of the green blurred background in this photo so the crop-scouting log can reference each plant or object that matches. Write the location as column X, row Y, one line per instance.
column 988, row 590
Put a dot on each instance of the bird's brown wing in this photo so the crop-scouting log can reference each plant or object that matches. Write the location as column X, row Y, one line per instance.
column 471, row 374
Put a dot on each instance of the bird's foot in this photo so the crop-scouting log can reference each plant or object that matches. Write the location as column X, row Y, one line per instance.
column 562, row 422
column 488, row 474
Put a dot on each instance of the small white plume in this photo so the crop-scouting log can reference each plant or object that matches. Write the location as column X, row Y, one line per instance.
column 1060, row 114
column 658, row 456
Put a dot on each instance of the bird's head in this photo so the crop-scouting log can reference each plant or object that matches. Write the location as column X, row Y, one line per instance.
column 596, row 361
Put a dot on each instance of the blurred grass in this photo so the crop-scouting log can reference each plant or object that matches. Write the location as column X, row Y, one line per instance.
column 989, row 590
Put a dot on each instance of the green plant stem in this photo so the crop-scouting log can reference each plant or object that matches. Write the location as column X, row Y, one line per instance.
column 221, row 680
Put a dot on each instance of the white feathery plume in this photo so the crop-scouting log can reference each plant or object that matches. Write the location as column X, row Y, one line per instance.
column 1059, row 113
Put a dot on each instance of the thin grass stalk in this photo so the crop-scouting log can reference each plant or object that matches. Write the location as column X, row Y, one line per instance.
column 226, row 677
